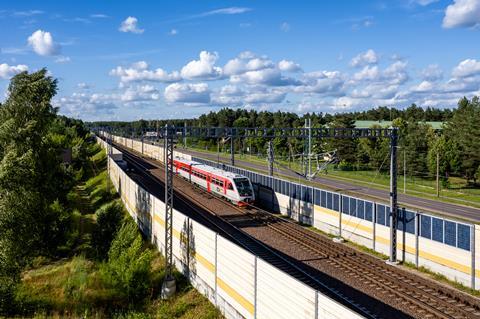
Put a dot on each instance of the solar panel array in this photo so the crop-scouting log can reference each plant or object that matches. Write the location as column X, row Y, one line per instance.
column 442, row 230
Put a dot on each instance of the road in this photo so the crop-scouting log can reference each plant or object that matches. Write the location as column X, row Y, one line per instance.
column 427, row 205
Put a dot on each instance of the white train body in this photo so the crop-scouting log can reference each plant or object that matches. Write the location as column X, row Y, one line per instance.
column 234, row 187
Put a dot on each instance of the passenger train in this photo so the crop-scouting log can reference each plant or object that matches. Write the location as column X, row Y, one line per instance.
column 234, row 187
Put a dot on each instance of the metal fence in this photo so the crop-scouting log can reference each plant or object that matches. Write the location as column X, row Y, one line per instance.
column 442, row 230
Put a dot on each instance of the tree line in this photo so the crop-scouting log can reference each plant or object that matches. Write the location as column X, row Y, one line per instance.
column 457, row 143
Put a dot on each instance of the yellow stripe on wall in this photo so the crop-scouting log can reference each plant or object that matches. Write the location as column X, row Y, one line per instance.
column 357, row 225
column 426, row 255
column 207, row 264
column 247, row 305
column 326, row 211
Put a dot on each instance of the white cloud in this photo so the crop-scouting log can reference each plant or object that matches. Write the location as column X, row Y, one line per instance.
column 231, row 90
column 230, row 95
column 366, row 58
column 140, row 93
column 139, row 71
column 229, row 11
column 204, row 68
column 28, row 13
column 289, row 66
column 274, row 96
column 368, row 73
column 99, row 16
column 466, row 68
column 423, row 2
column 7, row 71
column 432, row 73
column 462, row 13
column 396, row 73
column 62, row 59
column 194, row 93
column 425, row 86
column 173, row 32
column 84, row 105
column 271, row 77
column 246, row 61
column 285, row 27
column 83, row 86
column 42, row 43
column 344, row 103
column 130, row 25
column 323, row 82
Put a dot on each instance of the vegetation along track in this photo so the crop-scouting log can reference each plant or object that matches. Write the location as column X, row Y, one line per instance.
column 408, row 292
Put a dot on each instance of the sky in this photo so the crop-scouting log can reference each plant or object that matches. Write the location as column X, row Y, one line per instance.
column 127, row 60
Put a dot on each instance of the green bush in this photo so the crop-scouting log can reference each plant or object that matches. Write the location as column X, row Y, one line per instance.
column 345, row 166
column 7, row 295
column 128, row 269
column 109, row 219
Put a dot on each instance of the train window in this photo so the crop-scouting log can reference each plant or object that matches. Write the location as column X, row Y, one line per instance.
column 243, row 187
column 230, row 186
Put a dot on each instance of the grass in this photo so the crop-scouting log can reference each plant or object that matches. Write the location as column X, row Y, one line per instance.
column 457, row 192
column 72, row 287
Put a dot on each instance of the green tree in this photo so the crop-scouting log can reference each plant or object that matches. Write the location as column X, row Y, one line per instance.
column 374, row 151
column 129, row 264
column 414, row 141
column 464, row 130
column 32, row 179
column 447, row 152
column 346, row 147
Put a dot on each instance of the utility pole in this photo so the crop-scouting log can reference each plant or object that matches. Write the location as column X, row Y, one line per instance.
column 218, row 151
column 232, row 151
column 438, row 173
column 309, row 147
column 185, row 134
column 305, row 146
column 168, row 285
column 393, row 197
column 404, row 171
column 270, row 158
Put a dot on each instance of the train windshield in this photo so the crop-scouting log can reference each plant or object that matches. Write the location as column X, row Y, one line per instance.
column 243, row 186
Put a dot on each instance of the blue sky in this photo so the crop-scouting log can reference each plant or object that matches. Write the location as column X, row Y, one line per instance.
column 125, row 60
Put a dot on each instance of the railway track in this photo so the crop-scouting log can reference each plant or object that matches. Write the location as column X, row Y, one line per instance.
column 273, row 257
column 419, row 297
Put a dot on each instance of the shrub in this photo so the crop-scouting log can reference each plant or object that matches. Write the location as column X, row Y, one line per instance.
column 7, row 295
column 345, row 166
column 128, row 269
column 109, row 218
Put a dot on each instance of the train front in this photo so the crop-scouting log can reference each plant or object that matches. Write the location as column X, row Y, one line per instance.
column 245, row 191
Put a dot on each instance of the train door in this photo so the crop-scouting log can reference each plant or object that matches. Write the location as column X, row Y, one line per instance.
column 207, row 179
